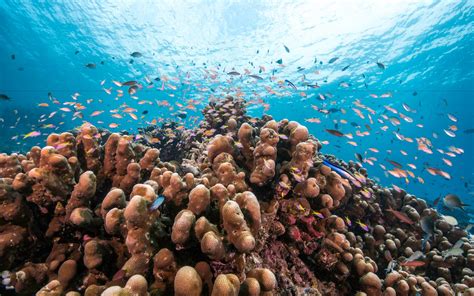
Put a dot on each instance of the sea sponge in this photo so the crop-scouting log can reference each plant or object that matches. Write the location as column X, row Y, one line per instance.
column 89, row 148
column 250, row 287
column 150, row 159
column 302, row 160
column 265, row 154
column 182, row 226
column 248, row 203
column 124, row 155
column 205, row 272
column 12, row 206
column 67, row 272
column 114, row 221
column 81, row 217
column 131, row 178
column 83, row 192
column 136, row 212
column 53, row 288
column 164, row 269
column 265, row 278
column 187, row 282
column 246, row 137
column 110, row 151
column 238, row 233
column 12, row 239
column 308, row 188
column 174, row 187
column 226, row 284
column 64, row 143
column 144, row 190
column 298, row 133
column 218, row 145
column 10, row 165
column 335, row 188
column 53, row 179
column 136, row 285
column 115, row 198
column 93, row 254
column 199, row 199
column 371, row 284
column 211, row 242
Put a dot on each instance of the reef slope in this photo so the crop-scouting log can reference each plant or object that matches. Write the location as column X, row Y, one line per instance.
column 235, row 206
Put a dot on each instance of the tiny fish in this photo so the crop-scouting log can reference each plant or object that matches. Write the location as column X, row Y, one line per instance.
column 129, row 83
column 469, row 131
column 348, row 221
column 345, row 68
column 256, row 77
column 235, row 73
column 280, row 61
column 32, row 134
column 318, row 214
column 381, row 65
column 401, row 216
column 363, row 225
column 333, row 60
column 290, row 84
column 132, row 89
column 90, row 66
column 335, row 132
column 136, row 54
column 452, row 117
column 415, row 256
column 449, row 133
column 427, row 225
column 96, row 113
column 4, row 97
column 436, row 201
column 394, row 163
column 413, row 263
column 157, row 203
column 286, row 48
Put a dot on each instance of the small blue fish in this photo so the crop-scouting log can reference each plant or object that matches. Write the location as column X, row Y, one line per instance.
column 341, row 172
column 157, row 203
column 290, row 84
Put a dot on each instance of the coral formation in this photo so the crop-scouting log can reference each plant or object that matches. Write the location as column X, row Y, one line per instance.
column 242, row 215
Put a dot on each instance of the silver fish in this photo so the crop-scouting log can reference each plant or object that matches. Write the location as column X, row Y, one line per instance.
column 391, row 266
column 427, row 225
column 415, row 256
column 453, row 201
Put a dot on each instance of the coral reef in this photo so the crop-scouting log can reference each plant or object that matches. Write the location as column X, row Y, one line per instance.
column 224, row 212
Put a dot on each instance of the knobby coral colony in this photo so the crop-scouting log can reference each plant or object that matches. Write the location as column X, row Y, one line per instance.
column 251, row 207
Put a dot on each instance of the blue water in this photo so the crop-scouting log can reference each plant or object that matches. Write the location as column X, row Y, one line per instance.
column 425, row 46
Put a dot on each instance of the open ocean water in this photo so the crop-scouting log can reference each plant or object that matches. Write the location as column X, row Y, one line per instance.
column 395, row 78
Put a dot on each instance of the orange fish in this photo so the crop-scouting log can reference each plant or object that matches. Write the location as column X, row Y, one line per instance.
column 400, row 216
column 313, row 120
column 413, row 263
